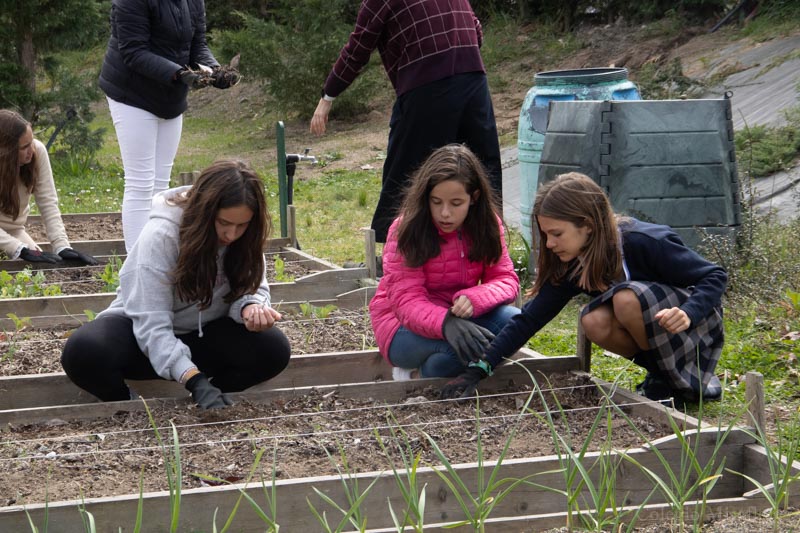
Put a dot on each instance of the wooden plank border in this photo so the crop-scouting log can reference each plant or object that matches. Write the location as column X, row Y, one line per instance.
column 277, row 390
column 304, row 370
column 319, row 288
column 518, row 508
column 103, row 250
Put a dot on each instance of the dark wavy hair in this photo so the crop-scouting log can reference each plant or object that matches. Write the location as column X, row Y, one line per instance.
column 12, row 127
column 576, row 198
column 417, row 236
column 226, row 183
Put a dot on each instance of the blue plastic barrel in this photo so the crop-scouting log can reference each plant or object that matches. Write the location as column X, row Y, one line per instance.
column 580, row 84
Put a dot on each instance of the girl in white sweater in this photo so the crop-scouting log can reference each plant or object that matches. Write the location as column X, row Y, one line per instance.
column 25, row 172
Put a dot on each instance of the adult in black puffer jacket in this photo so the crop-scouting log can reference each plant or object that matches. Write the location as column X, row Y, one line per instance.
column 146, row 80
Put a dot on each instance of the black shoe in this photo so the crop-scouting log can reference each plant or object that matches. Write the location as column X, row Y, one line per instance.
column 654, row 387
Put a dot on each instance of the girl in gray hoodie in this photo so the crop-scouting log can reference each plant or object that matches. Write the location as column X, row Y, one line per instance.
column 193, row 303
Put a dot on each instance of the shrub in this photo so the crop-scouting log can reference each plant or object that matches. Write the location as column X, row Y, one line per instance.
column 763, row 150
column 294, row 52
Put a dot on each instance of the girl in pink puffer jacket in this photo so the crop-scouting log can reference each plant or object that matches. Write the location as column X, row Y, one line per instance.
column 448, row 280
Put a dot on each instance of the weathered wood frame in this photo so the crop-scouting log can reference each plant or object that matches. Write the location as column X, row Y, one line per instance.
column 528, row 507
column 361, row 374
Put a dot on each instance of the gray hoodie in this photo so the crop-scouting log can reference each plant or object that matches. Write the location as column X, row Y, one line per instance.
column 147, row 295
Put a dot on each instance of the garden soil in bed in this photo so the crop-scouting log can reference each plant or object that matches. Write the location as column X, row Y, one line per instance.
column 98, row 228
column 89, row 279
column 38, row 350
column 64, row 461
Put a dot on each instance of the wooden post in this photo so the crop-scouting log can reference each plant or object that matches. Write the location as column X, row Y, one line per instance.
column 584, row 348
column 369, row 251
column 754, row 395
column 195, row 177
column 185, row 178
column 291, row 224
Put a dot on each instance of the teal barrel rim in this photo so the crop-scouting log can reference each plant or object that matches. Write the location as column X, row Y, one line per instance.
column 584, row 76
column 602, row 83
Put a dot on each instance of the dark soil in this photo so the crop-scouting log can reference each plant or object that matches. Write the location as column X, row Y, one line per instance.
column 96, row 229
column 38, row 351
column 106, row 457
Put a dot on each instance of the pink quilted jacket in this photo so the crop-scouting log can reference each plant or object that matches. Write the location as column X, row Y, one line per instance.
column 418, row 298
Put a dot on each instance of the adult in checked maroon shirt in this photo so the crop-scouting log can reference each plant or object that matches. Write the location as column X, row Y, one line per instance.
column 431, row 52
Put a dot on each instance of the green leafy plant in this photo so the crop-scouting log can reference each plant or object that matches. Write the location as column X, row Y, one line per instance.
column 763, row 150
column 280, row 271
column 87, row 518
column 26, row 284
column 352, row 514
column 295, row 48
column 477, row 503
column 601, row 511
column 781, row 472
column 793, row 298
column 13, row 337
column 110, row 274
column 309, row 310
column 697, row 471
column 269, row 517
column 406, row 479
column 520, row 251
column 172, row 463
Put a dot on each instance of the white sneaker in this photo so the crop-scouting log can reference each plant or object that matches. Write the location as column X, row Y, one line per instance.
column 403, row 374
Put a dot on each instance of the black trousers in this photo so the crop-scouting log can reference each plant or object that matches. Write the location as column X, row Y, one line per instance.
column 101, row 354
column 457, row 109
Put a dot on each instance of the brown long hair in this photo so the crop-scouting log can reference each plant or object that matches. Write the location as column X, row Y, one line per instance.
column 574, row 197
column 417, row 236
column 12, row 128
column 226, row 183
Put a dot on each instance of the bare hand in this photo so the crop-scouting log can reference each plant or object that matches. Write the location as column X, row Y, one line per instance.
column 320, row 119
column 258, row 317
column 674, row 320
column 462, row 307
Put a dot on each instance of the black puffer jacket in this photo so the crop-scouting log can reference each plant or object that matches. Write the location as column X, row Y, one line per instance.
column 150, row 41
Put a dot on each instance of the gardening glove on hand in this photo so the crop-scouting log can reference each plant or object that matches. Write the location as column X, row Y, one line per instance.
column 37, row 256
column 189, row 77
column 75, row 255
column 463, row 385
column 225, row 77
column 468, row 339
column 205, row 394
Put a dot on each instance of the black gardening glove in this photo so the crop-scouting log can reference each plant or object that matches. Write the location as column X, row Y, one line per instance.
column 205, row 394
column 468, row 339
column 463, row 385
column 225, row 77
column 74, row 255
column 37, row 256
column 189, row 77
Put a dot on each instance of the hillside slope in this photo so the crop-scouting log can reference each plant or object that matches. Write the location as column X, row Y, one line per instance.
column 749, row 69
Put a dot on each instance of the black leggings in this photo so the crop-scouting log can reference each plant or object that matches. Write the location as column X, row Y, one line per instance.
column 101, row 354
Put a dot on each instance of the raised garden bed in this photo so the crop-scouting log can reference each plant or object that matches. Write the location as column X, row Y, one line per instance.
column 72, row 280
column 315, row 430
column 323, row 416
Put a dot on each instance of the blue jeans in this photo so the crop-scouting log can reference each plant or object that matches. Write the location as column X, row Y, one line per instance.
column 435, row 358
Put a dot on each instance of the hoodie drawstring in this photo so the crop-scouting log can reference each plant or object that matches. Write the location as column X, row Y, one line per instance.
column 200, row 323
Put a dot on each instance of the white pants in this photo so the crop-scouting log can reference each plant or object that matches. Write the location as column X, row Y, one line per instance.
column 148, row 145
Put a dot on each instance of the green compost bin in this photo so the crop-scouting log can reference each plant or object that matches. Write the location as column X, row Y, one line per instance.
column 558, row 86
column 670, row 162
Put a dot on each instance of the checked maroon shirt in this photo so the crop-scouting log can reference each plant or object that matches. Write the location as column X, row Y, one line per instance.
column 419, row 41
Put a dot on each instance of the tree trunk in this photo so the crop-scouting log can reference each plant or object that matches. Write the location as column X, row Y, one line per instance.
column 27, row 59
